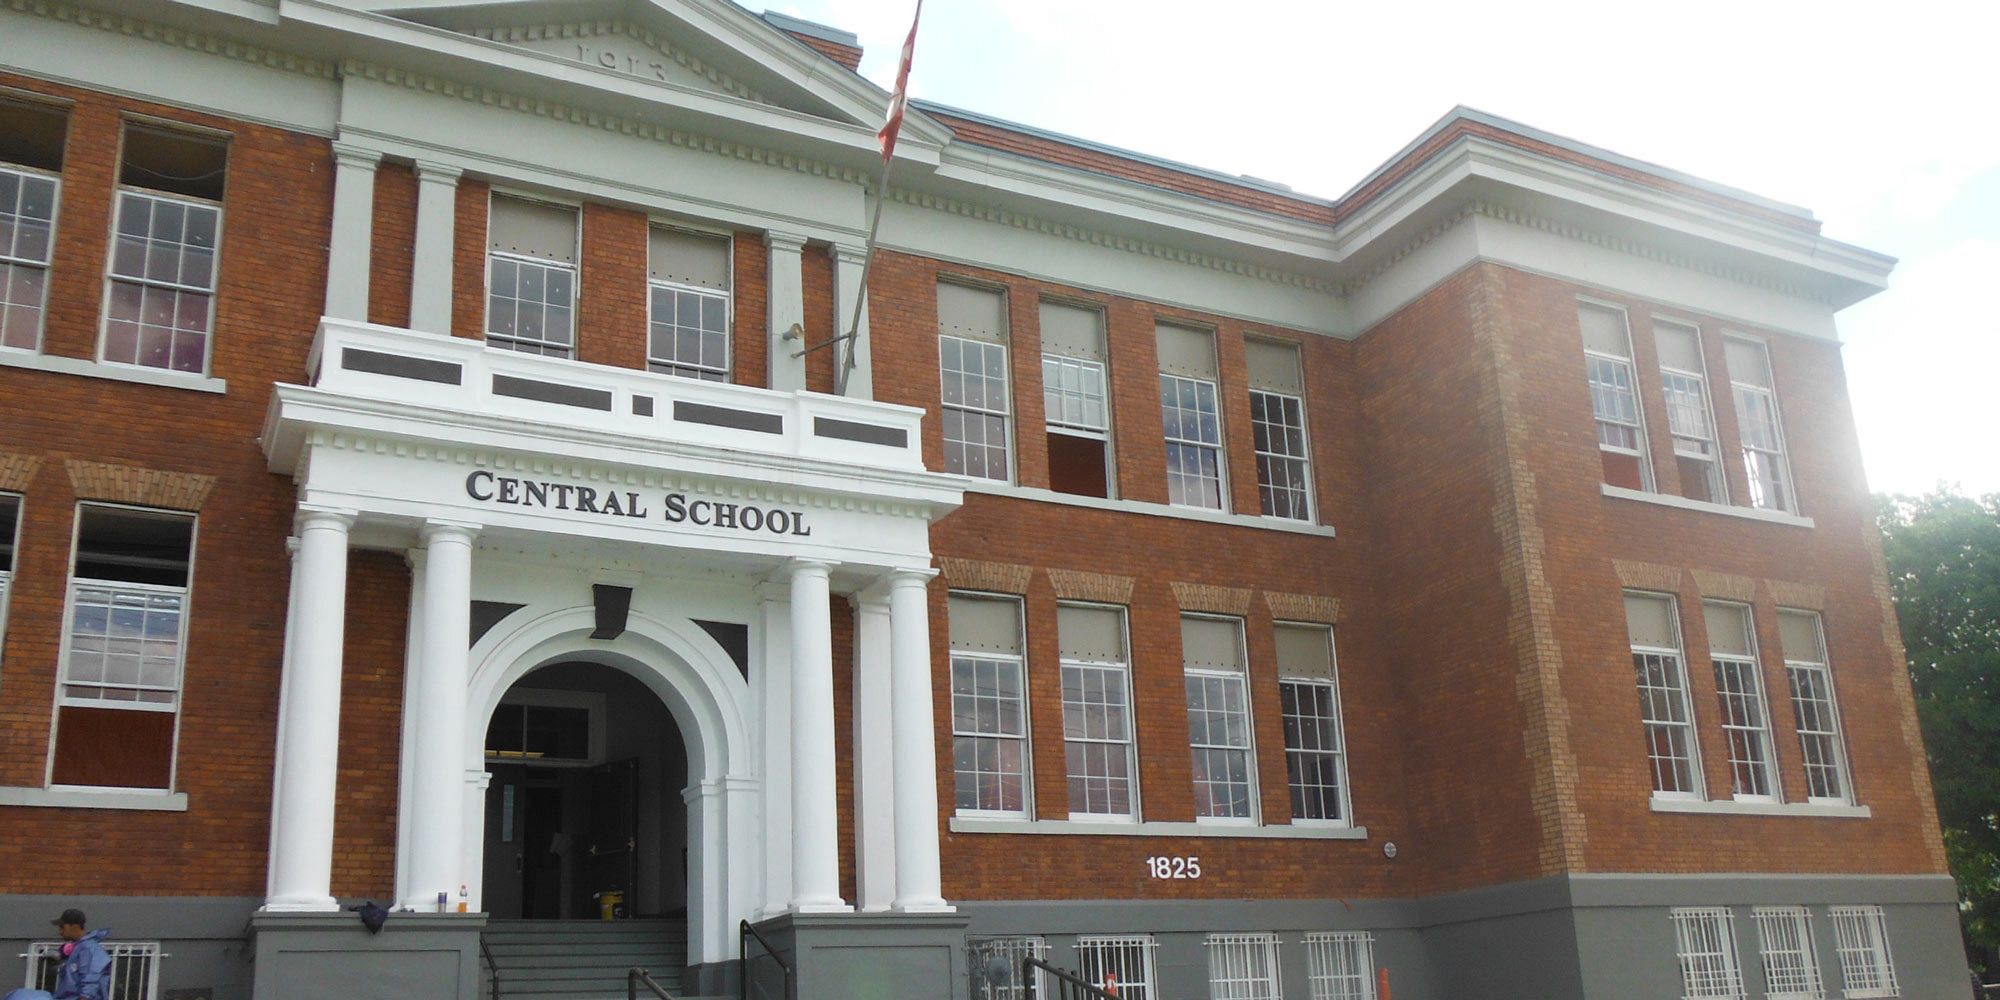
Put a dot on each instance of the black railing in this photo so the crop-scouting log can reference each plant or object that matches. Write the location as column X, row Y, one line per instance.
column 636, row 977
column 492, row 969
column 1062, row 984
column 744, row 932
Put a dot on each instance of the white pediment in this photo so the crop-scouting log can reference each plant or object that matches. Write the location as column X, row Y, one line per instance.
column 621, row 47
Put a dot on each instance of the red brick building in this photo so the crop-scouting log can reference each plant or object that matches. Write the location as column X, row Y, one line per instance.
column 435, row 473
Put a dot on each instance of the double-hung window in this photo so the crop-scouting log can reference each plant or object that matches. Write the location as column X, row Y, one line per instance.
column 1861, row 937
column 1705, row 943
column 1192, row 418
column 1075, row 400
column 1690, row 418
column 1813, row 707
column 1653, row 627
column 996, row 964
column 1757, row 422
column 10, row 532
column 1243, row 967
column 1315, row 751
column 1218, row 709
column 123, row 648
column 161, row 282
column 989, row 709
column 1614, row 397
column 1278, row 422
column 1785, row 947
column 972, row 349
column 1340, row 965
column 1097, row 712
column 531, row 253
column 1120, row 963
column 1746, row 715
column 31, row 153
column 687, row 287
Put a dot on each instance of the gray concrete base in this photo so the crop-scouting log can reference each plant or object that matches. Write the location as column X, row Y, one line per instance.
column 331, row 956
column 863, row 955
column 204, row 939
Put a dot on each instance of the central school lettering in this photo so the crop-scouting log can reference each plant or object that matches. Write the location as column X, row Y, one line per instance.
column 487, row 487
column 740, row 516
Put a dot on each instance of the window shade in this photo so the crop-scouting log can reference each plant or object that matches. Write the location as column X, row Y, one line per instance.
column 1188, row 352
column 1091, row 634
column 986, row 624
column 1212, row 644
column 1748, row 363
column 965, row 311
column 1799, row 631
column 1649, row 620
column 688, row 258
column 1304, row 651
column 1680, row 346
column 532, row 229
column 1274, row 366
column 1728, row 628
column 1604, row 331
column 1072, row 331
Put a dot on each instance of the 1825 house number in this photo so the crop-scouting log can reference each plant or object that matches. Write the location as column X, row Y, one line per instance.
column 1174, row 867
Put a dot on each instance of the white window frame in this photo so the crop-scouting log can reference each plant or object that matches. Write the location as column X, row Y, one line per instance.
column 1630, row 363
column 1331, row 687
column 1303, row 458
column 1013, row 949
column 112, row 278
column 122, row 954
column 1233, row 967
column 1005, row 413
column 45, row 265
column 1867, row 966
column 1788, row 499
column 1340, row 965
column 1055, row 416
column 1094, row 949
column 1705, row 945
column 575, row 270
column 1131, row 742
column 1785, row 950
column 1215, row 447
column 1249, row 748
column 1685, row 698
column 667, row 366
column 1734, row 734
column 1024, row 737
column 1687, row 445
column 1837, row 736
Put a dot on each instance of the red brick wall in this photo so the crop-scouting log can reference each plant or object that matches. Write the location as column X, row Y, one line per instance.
column 392, row 245
column 611, row 326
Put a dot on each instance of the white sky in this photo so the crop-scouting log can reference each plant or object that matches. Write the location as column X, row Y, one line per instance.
column 1877, row 117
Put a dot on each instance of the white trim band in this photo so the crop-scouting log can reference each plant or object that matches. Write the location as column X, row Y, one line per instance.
column 1152, row 509
column 1727, row 807
column 137, row 800
column 1674, row 500
column 980, row 824
column 116, row 373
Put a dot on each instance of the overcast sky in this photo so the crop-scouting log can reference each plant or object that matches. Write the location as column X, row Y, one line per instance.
column 1877, row 117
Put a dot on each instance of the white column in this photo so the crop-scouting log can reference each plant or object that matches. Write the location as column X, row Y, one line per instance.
column 874, row 767
column 919, row 887
column 347, row 252
column 815, row 816
column 847, row 261
column 438, row 715
column 430, row 271
column 787, row 291
column 302, row 796
column 472, row 839
column 773, row 676
column 413, row 658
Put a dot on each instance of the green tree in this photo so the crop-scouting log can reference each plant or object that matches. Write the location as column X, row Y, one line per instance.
column 1943, row 552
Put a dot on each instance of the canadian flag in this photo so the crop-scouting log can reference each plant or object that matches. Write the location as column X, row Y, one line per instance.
column 894, row 126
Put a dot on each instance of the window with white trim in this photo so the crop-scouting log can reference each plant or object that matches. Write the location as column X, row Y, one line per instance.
column 10, row 534
column 1123, row 962
column 1243, row 967
column 1861, row 938
column 1763, row 436
column 1690, row 418
column 1192, row 418
column 1097, row 712
column 123, row 647
column 531, row 277
column 687, row 284
column 134, row 975
column 1315, row 748
column 1814, row 710
column 1278, row 424
column 1653, row 627
column 1614, row 397
column 972, row 350
column 1076, row 400
column 1340, row 965
column 160, row 287
column 995, row 964
column 31, row 154
column 1739, row 686
column 989, row 710
column 1785, row 948
column 1705, row 943
column 1218, row 709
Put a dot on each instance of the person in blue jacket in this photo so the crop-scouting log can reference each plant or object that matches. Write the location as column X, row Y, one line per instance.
column 85, row 973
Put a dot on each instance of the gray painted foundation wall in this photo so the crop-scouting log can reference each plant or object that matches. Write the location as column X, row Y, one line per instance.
column 205, row 939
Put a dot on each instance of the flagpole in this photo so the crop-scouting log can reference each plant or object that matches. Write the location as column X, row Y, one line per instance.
column 861, row 299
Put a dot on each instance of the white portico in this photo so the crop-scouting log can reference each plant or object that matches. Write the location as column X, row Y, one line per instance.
column 596, row 516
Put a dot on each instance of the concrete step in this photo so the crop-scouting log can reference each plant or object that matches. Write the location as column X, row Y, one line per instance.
column 583, row 959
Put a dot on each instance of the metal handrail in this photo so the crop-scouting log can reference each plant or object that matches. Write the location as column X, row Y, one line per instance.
column 636, row 977
column 743, row 933
column 492, row 968
column 1069, row 985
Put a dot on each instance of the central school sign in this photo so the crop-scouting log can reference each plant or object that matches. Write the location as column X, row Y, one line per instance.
column 675, row 508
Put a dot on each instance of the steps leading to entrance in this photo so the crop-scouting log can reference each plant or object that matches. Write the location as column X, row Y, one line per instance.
column 582, row 959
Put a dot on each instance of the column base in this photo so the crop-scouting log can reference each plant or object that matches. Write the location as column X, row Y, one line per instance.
column 836, row 906
column 300, row 904
column 922, row 906
column 863, row 955
column 309, row 956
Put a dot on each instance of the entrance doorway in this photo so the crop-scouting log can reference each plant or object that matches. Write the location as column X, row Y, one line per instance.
column 584, row 811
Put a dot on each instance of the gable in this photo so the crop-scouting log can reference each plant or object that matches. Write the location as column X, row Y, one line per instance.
column 622, row 47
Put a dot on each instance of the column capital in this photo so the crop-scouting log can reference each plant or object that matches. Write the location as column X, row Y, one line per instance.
column 788, row 242
column 433, row 172
column 905, row 576
column 313, row 516
column 347, row 154
column 437, row 530
column 849, row 253
column 802, row 566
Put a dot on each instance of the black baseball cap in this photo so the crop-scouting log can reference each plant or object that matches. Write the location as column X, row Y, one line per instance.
column 69, row 916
